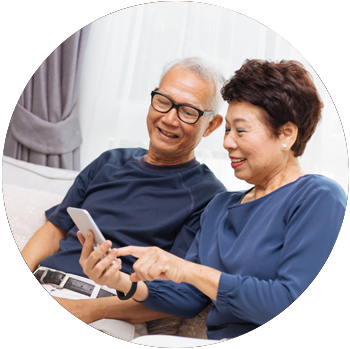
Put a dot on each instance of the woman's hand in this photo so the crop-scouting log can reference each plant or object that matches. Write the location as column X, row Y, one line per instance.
column 155, row 264
column 102, row 271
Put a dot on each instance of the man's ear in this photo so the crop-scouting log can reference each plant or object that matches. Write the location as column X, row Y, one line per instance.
column 213, row 125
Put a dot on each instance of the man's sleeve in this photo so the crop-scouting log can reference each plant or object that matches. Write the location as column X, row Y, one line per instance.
column 74, row 198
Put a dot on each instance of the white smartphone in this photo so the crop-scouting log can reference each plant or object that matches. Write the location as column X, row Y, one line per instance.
column 84, row 222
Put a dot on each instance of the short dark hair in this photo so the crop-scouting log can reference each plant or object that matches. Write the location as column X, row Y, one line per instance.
column 284, row 90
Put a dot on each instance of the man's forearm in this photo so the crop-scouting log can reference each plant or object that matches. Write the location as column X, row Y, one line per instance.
column 44, row 243
column 89, row 310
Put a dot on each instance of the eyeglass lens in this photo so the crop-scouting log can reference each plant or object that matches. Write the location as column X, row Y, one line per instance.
column 185, row 113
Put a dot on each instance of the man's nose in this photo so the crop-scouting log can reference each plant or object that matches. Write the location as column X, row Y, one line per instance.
column 171, row 117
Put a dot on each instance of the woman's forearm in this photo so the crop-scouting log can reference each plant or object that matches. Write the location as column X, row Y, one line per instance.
column 206, row 279
column 156, row 264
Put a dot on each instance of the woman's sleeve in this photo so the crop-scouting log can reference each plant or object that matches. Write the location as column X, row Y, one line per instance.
column 171, row 298
column 309, row 238
column 182, row 299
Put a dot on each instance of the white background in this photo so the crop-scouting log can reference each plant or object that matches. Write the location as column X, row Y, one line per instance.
column 124, row 57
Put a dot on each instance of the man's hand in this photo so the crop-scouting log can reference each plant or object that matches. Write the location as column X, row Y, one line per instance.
column 102, row 271
column 155, row 264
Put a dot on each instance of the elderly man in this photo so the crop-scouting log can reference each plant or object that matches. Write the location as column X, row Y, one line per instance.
column 136, row 197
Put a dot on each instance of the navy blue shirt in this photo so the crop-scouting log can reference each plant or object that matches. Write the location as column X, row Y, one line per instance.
column 269, row 250
column 134, row 203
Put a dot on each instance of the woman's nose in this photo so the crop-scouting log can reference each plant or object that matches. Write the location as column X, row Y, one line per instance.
column 229, row 142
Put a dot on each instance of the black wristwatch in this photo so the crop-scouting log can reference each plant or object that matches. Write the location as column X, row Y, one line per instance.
column 132, row 291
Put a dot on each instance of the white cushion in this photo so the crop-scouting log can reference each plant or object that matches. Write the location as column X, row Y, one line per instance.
column 164, row 341
column 27, row 175
column 29, row 190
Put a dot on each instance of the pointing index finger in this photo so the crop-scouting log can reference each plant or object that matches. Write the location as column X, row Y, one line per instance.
column 135, row 251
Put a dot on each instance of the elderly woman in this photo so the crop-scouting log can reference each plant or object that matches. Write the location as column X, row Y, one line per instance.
column 259, row 249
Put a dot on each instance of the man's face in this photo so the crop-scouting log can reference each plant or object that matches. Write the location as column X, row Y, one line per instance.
column 171, row 140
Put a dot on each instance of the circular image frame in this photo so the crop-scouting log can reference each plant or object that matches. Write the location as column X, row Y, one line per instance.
column 112, row 88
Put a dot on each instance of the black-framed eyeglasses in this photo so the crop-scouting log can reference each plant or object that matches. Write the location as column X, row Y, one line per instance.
column 186, row 113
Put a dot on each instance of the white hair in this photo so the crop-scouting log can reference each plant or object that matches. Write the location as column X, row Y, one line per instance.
column 204, row 70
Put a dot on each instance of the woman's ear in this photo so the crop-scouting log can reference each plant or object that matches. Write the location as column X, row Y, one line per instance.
column 288, row 135
column 213, row 125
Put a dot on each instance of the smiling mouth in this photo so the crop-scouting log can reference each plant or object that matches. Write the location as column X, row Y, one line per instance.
column 236, row 161
column 170, row 135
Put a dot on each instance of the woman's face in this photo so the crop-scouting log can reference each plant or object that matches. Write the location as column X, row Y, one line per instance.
column 254, row 151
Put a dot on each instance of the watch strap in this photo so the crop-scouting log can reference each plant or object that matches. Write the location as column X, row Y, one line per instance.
column 131, row 292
